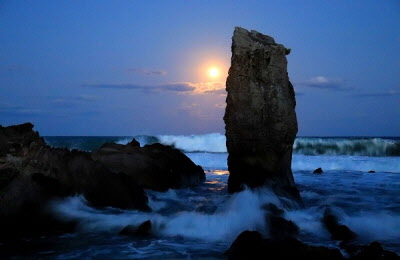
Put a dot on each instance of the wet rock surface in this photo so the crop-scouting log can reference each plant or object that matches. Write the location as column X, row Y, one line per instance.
column 157, row 167
column 318, row 171
column 143, row 230
column 32, row 174
column 251, row 245
column 260, row 116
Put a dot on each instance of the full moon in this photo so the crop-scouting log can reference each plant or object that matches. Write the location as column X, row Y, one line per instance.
column 213, row 72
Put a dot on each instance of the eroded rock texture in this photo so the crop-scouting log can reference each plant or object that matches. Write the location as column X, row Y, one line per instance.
column 157, row 167
column 32, row 174
column 260, row 116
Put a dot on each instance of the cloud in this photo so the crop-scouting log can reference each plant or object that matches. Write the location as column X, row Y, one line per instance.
column 208, row 88
column 73, row 101
column 220, row 105
column 147, row 72
column 323, row 82
column 389, row 93
column 16, row 110
column 174, row 87
column 182, row 87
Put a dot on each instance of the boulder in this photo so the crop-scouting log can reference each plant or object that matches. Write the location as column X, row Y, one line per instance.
column 260, row 118
column 156, row 166
column 337, row 231
column 318, row 171
column 251, row 245
column 142, row 230
column 279, row 228
column 32, row 173
column 374, row 251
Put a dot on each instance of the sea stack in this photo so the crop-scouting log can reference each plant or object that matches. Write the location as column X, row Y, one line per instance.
column 260, row 116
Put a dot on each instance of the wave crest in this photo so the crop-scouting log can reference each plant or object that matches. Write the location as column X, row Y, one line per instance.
column 347, row 146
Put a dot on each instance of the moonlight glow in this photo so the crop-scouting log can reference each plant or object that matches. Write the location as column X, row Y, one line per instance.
column 213, row 72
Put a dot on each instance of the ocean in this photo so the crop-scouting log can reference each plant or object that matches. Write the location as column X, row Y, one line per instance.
column 202, row 222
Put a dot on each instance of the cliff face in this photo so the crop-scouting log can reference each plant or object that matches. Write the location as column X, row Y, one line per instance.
column 260, row 116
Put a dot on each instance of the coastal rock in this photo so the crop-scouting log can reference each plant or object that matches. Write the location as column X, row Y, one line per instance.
column 142, row 230
column 32, row 173
column 260, row 116
column 318, row 171
column 374, row 251
column 337, row 231
column 279, row 228
column 156, row 166
column 251, row 245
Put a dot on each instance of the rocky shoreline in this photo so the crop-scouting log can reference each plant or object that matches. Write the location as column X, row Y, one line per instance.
column 33, row 173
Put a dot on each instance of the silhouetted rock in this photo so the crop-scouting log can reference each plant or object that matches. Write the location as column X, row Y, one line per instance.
column 32, row 173
column 375, row 251
column 142, row 230
column 260, row 116
column 155, row 166
column 371, row 171
column 278, row 227
column 337, row 231
column 251, row 245
column 319, row 170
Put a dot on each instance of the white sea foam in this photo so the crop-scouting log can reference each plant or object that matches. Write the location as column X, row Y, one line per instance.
column 216, row 143
column 310, row 163
column 242, row 211
column 213, row 143
column 358, row 199
column 346, row 163
column 124, row 140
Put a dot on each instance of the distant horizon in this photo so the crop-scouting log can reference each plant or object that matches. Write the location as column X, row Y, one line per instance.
column 303, row 136
column 222, row 133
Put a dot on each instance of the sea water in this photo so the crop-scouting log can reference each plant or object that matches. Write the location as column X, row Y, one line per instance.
column 202, row 222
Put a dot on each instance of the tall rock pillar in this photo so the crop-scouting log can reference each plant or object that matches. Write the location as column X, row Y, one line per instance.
column 260, row 115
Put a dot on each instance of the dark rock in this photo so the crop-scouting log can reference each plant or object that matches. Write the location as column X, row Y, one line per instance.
column 155, row 166
column 142, row 230
column 248, row 245
column 319, row 170
column 337, row 231
column 6, row 176
column 274, row 210
column 279, row 227
column 134, row 143
column 32, row 174
column 260, row 115
column 375, row 251
column 251, row 245
column 371, row 171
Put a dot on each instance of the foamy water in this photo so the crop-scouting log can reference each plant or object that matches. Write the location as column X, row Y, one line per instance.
column 202, row 222
column 216, row 143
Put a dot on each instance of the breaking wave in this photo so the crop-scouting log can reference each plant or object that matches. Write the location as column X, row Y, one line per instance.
column 347, row 146
column 216, row 143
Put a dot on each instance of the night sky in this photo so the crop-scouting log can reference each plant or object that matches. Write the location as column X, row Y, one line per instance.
column 142, row 67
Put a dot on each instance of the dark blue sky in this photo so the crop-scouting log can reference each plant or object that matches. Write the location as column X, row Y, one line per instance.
column 140, row 67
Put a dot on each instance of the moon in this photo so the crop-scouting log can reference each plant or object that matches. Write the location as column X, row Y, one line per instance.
column 213, row 72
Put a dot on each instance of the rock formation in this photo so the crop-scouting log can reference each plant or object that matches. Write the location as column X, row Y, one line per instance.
column 157, row 167
column 260, row 115
column 252, row 245
column 33, row 173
